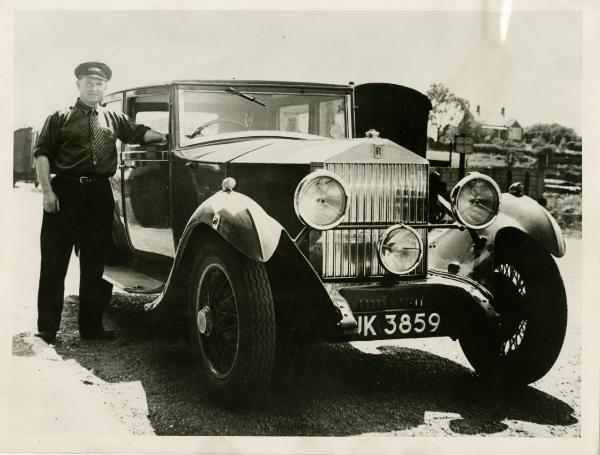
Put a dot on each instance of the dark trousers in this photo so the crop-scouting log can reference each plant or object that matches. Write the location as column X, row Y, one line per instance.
column 84, row 219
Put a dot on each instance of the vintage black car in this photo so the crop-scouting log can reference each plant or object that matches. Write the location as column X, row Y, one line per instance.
column 283, row 213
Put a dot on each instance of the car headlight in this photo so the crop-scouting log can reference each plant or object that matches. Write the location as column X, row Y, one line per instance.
column 475, row 200
column 400, row 249
column 321, row 200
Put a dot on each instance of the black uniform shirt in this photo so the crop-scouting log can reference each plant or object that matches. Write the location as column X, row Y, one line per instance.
column 65, row 140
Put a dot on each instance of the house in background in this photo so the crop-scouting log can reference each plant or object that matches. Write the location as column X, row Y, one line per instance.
column 498, row 126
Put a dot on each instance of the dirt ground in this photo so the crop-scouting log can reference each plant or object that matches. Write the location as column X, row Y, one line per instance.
column 145, row 382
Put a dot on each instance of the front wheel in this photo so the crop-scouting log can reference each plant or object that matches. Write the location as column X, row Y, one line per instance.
column 530, row 298
column 232, row 324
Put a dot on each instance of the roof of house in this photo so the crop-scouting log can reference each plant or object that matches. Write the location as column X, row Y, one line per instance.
column 497, row 121
column 512, row 123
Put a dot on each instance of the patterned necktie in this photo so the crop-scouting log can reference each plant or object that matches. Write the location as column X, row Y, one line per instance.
column 96, row 139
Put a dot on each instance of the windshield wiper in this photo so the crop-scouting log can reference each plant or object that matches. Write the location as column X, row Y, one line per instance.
column 243, row 95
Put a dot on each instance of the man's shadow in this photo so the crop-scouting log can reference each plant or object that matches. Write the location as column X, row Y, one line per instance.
column 333, row 389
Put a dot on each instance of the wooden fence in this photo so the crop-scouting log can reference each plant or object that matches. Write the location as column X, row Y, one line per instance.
column 532, row 179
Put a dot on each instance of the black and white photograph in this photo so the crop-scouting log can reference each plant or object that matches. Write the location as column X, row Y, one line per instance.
column 321, row 228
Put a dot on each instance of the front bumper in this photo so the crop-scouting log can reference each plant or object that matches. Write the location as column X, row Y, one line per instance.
column 460, row 300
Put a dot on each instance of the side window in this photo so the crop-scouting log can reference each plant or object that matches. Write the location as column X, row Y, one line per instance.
column 157, row 120
column 115, row 105
column 151, row 110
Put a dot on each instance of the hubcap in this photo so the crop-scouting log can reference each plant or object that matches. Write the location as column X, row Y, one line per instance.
column 204, row 320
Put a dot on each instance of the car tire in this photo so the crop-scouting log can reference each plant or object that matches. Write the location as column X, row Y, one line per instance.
column 530, row 298
column 232, row 324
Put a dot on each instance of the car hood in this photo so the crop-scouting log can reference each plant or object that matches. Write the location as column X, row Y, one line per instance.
column 303, row 149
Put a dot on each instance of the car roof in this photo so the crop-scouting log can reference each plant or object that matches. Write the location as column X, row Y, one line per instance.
column 238, row 82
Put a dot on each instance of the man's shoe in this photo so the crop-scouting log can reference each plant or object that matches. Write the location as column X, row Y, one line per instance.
column 48, row 337
column 101, row 334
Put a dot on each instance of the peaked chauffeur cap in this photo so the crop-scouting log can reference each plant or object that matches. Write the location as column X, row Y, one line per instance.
column 93, row 69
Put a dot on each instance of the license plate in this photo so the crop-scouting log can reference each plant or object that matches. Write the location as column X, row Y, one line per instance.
column 399, row 324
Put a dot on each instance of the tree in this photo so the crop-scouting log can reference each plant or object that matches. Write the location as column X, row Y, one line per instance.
column 450, row 114
column 469, row 126
column 549, row 133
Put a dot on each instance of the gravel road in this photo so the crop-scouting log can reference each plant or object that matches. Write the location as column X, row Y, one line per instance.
column 145, row 381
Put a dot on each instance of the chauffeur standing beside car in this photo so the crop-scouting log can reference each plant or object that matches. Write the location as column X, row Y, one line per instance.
column 78, row 145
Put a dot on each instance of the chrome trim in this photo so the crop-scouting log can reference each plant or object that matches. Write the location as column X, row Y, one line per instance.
column 228, row 184
column 455, row 193
column 468, row 283
column 479, row 295
column 380, row 195
column 460, row 227
column 299, row 194
column 381, row 244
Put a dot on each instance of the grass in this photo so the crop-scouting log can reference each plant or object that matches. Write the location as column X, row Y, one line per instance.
column 566, row 208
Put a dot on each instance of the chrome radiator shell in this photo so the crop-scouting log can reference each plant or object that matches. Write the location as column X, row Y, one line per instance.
column 379, row 194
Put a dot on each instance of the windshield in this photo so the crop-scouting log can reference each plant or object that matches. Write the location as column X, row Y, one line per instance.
column 205, row 113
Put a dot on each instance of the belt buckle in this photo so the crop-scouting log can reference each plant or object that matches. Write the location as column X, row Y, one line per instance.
column 84, row 179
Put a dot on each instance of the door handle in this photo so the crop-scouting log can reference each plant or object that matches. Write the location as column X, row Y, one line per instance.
column 127, row 166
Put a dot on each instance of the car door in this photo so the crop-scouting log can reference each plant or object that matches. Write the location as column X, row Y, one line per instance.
column 114, row 102
column 145, row 176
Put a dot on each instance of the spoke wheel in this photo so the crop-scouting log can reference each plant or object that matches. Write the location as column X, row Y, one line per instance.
column 231, row 324
column 217, row 320
column 530, row 298
column 510, row 301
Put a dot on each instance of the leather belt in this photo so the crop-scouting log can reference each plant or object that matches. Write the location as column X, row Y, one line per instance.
column 83, row 178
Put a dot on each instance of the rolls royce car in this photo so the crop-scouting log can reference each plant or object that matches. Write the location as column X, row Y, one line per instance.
column 281, row 213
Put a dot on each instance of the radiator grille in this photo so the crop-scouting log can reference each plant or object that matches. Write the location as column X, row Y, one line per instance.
column 384, row 193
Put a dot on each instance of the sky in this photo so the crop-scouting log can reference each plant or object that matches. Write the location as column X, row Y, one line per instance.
column 535, row 73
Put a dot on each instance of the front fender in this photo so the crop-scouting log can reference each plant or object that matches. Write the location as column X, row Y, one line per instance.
column 522, row 214
column 528, row 216
column 303, row 307
column 240, row 221
column 237, row 219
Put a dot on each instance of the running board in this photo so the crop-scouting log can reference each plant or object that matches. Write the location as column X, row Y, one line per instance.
column 131, row 280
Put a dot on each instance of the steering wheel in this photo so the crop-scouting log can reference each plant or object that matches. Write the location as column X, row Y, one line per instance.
column 198, row 130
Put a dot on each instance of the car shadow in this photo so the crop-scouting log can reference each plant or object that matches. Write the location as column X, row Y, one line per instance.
column 335, row 389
